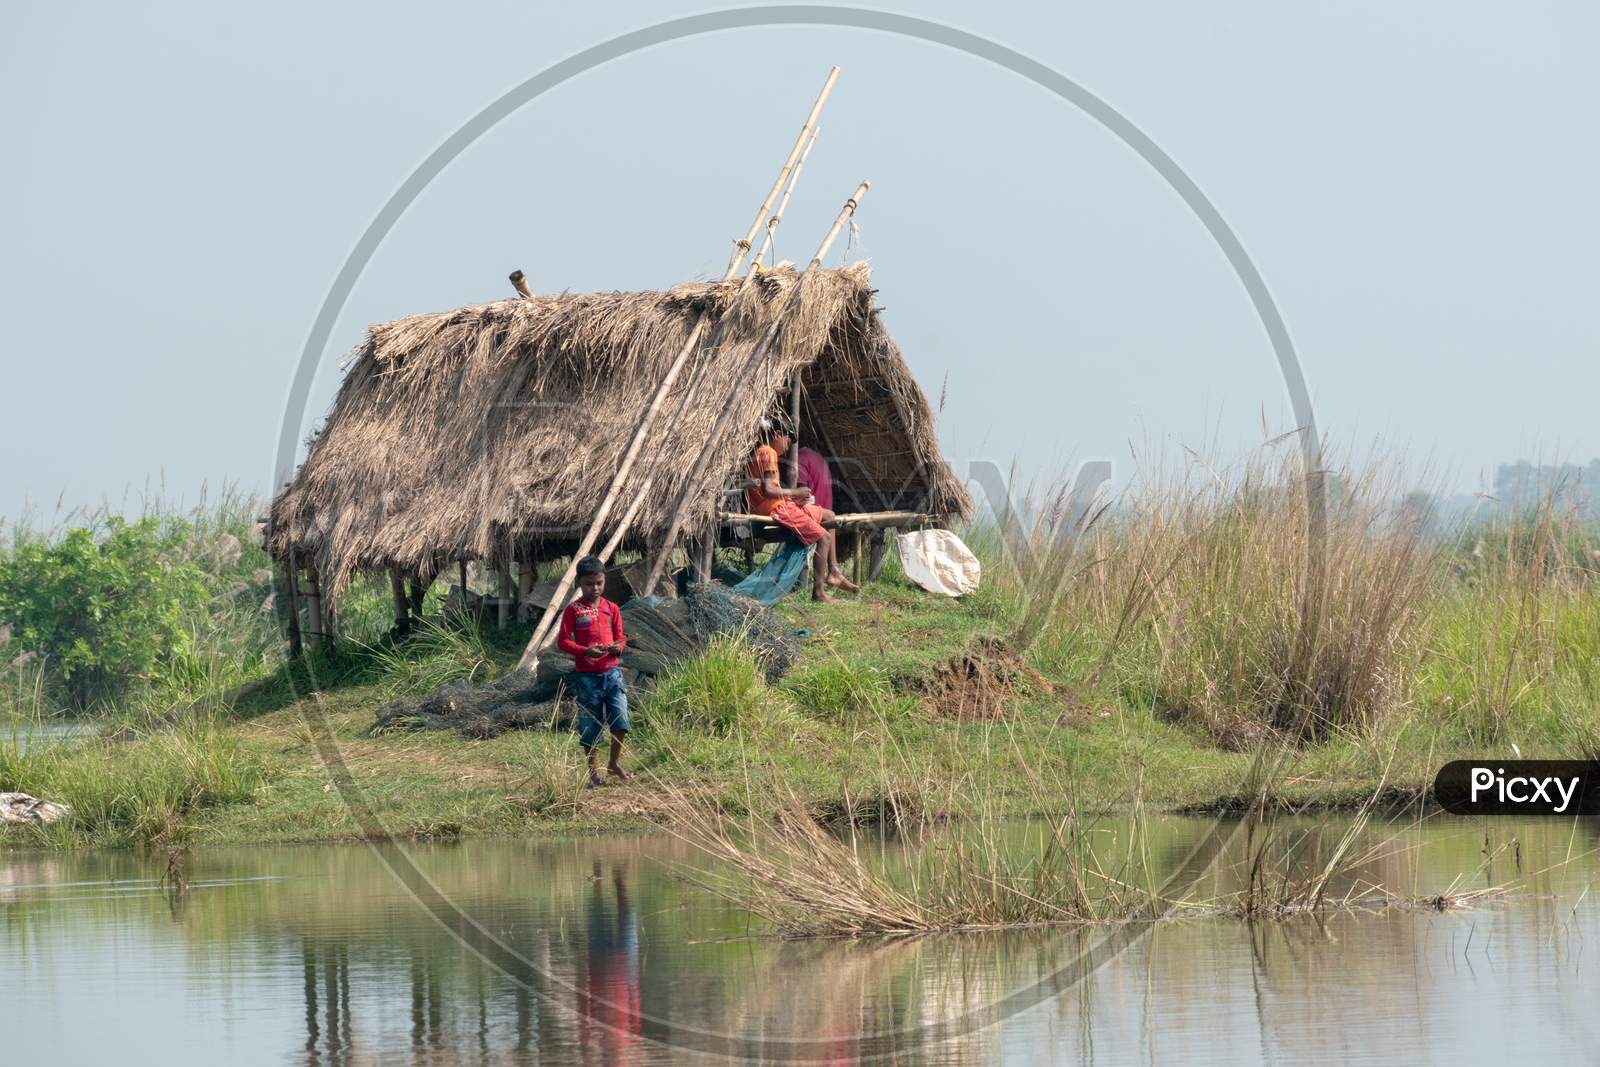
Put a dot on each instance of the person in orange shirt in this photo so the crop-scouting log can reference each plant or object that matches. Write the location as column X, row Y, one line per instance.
column 794, row 509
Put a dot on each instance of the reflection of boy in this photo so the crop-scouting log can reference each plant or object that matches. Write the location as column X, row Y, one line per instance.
column 610, row 994
column 591, row 633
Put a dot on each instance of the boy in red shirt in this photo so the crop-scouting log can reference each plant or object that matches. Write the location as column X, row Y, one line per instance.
column 591, row 633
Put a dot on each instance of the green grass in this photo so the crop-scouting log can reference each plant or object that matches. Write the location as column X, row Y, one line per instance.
column 1167, row 651
column 142, row 789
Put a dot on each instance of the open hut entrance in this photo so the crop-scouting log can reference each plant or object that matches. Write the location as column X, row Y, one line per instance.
column 851, row 415
column 847, row 407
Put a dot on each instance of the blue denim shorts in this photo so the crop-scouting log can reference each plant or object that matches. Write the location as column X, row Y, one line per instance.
column 604, row 702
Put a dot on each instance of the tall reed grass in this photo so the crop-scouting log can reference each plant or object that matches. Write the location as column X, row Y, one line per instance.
column 1227, row 601
column 1513, row 632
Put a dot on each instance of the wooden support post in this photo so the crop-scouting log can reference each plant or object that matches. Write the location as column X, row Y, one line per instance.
column 856, row 561
column 526, row 570
column 879, row 544
column 316, row 632
column 402, row 606
column 794, row 427
column 463, row 572
column 291, row 587
column 702, row 555
column 419, row 590
column 503, row 614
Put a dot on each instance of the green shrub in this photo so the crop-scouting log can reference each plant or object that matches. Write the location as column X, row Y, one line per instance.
column 715, row 690
column 104, row 611
column 841, row 692
column 437, row 654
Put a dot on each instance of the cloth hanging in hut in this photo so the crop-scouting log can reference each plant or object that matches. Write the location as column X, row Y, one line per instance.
column 771, row 581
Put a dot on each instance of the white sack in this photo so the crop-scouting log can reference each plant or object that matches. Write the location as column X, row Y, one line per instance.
column 938, row 562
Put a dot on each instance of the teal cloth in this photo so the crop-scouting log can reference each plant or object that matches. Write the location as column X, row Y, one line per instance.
column 769, row 582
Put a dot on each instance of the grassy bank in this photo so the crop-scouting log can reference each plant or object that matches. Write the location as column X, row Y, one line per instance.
column 1137, row 664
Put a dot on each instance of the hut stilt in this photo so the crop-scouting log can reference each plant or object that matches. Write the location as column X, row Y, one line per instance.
column 402, row 605
column 291, row 589
column 316, row 632
column 503, row 605
column 526, row 569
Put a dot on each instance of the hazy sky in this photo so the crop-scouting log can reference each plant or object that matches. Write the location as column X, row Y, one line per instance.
column 1415, row 181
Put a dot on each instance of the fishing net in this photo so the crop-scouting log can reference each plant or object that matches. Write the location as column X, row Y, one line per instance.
column 661, row 632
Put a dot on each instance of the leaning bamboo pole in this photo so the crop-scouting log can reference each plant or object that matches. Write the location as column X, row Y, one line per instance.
column 530, row 655
column 695, row 381
column 760, row 351
column 716, row 340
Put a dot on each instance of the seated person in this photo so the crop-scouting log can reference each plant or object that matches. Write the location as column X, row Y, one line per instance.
column 815, row 476
column 793, row 508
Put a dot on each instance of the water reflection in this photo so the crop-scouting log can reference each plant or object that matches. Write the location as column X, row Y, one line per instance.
column 317, row 956
column 609, row 1029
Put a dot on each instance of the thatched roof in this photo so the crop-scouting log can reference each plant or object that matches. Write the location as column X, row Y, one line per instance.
column 460, row 434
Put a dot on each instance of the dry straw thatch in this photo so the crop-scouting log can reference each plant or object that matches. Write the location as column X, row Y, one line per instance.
column 492, row 431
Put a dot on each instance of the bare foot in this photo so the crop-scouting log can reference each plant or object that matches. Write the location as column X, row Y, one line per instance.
column 595, row 781
column 618, row 772
column 839, row 581
column 823, row 598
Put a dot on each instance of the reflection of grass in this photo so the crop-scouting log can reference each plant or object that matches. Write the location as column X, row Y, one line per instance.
column 985, row 871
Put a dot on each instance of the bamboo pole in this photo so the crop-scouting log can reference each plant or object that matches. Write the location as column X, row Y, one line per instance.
column 694, row 386
column 693, row 391
column 530, row 655
column 525, row 572
column 519, row 281
column 760, row 351
column 742, row 246
column 794, row 428
column 849, row 520
column 783, row 204
column 402, row 606
column 291, row 588
column 503, row 612
column 316, row 631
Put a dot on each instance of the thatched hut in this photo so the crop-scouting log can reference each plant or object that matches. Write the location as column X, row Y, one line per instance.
column 490, row 433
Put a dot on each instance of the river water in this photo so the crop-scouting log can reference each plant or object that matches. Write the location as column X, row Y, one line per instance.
column 606, row 951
